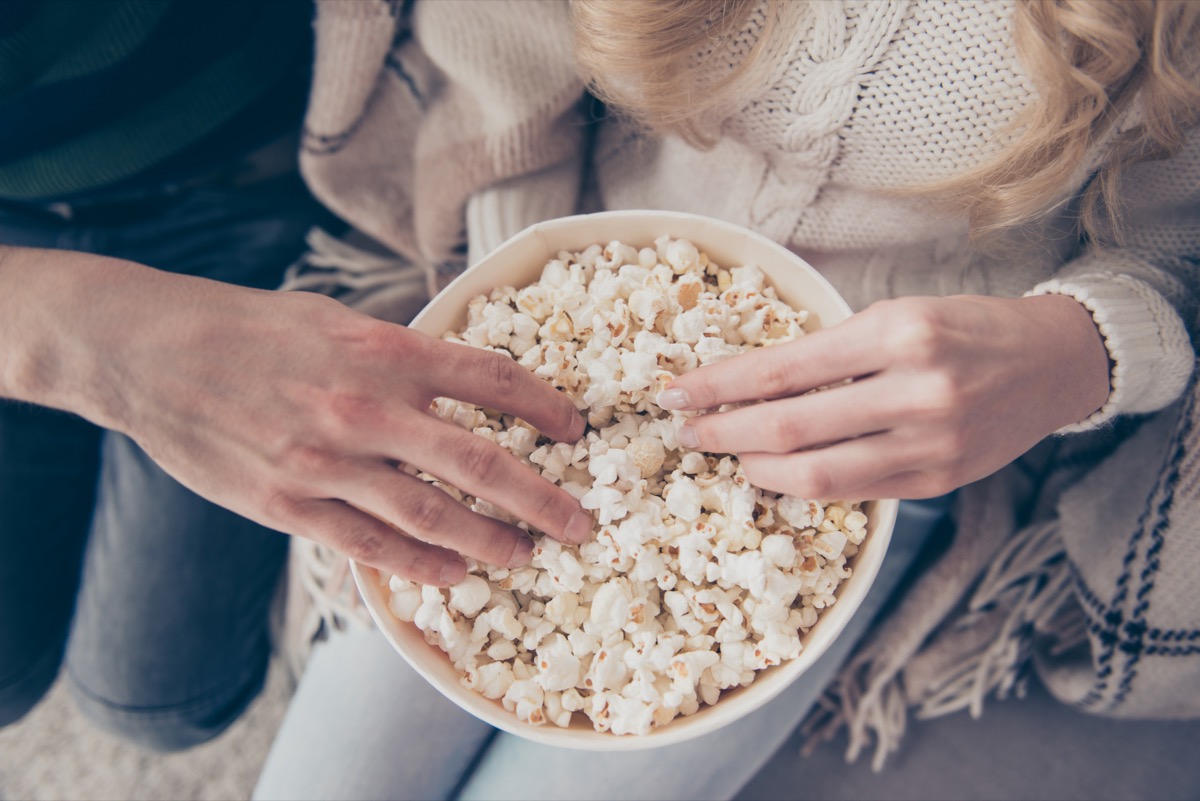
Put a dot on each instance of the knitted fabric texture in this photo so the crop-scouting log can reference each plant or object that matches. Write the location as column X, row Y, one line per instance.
column 399, row 136
column 1059, row 559
column 872, row 97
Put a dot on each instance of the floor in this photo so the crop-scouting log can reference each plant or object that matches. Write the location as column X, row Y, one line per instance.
column 1031, row 749
column 55, row 754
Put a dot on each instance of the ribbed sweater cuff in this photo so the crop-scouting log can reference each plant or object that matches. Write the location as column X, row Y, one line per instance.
column 509, row 207
column 1148, row 347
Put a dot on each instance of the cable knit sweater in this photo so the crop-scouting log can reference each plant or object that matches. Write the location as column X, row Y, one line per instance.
column 468, row 119
column 874, row 96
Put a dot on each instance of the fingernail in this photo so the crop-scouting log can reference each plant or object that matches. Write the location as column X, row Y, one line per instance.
column 522, row 554
column 579, row 527
column 673, row 399
column 687, row 437
column 453, row 572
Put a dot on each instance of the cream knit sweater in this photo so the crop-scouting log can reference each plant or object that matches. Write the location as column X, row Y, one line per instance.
column 480, row 105
column 874, row 96
column 468, row 118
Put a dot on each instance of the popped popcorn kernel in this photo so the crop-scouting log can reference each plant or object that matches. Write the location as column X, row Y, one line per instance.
column 695, row 580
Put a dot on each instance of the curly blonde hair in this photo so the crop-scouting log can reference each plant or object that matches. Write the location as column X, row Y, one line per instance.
column 1088, row 59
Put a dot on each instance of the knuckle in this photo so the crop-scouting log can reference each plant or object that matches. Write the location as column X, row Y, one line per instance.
column 428, row 512
column 773, row 377
column 547, row 507
column 323, row 310
column 303, row 459
column 503, row 374
column 362, row 546
column 382, row 340
column 377, row 342
column 349, row 409
column 803, row 478
column 915, row 332
column 277, row 438
column 278, row 507
column 786, row 431
column 481, row 460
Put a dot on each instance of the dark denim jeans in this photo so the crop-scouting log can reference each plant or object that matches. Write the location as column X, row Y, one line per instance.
column 158, row 599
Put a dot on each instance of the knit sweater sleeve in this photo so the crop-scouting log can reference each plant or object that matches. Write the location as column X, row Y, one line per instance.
column 1143, row 288
column 509, row 104
column 504, row 209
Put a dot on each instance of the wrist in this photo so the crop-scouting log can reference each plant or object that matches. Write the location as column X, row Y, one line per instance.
column 1150, row 353
column 1085, row 368
column 61, row 323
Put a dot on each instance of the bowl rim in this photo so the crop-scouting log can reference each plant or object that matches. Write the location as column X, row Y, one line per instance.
column 425, row 658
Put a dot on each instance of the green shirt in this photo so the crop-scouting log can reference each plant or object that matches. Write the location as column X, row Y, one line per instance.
column 99, row 93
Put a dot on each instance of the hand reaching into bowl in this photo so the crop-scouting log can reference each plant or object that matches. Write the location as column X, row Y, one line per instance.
column 287, row 408
column 945, row 391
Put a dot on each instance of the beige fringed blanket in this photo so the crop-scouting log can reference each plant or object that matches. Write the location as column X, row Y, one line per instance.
column 1078, row 561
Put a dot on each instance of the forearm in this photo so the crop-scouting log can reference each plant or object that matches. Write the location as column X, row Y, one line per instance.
column 60, row 315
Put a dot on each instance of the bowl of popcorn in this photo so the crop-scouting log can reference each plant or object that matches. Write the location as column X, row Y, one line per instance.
column 700, row 597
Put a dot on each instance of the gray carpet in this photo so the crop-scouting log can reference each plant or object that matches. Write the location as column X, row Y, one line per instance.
column 55, row 754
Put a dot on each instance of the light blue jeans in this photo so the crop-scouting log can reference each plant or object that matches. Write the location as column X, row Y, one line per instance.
column 364, row 725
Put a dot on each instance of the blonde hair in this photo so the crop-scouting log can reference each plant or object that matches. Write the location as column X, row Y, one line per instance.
column 1089, row 60
column 639, row 57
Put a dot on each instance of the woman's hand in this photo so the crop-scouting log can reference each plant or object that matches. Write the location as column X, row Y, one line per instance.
column 945, row 391
column 292, row 410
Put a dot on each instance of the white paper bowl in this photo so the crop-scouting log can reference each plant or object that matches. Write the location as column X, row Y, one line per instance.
column 519, row 262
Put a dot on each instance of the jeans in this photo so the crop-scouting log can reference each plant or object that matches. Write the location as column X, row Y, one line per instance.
column 364, row 725
column 157, row 599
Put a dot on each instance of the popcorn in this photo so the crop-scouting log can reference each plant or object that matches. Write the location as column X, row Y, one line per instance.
column 470, row 595
column 855, row 521
column 695, row 579
column 682, row 255
column 556, row 713
column 558, row 666
column 405, row 599
column 525, row 698
column 683, row 499
column 494, row 679
column 610, row 609
column 710, row 350
column 830, row 543
column 608, row 668
column 685, row 670
column 647, row 455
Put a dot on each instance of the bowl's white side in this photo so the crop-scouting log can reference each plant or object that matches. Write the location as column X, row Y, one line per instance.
column 519, row 262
